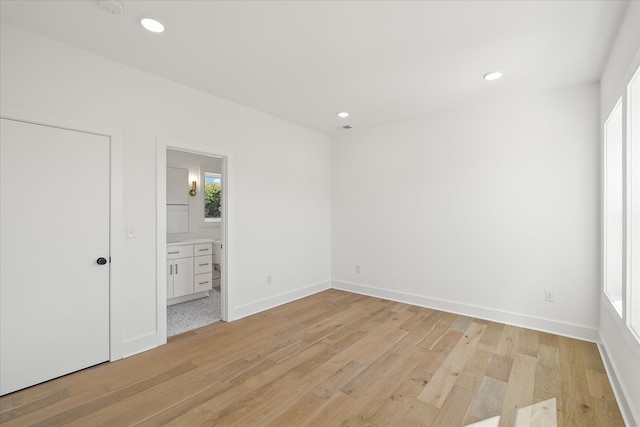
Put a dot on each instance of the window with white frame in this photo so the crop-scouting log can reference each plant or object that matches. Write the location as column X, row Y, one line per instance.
column 633, row 203
column 613, row 205
column 621, row 240
column 212, row 196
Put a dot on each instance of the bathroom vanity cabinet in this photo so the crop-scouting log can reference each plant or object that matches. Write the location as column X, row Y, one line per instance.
column 189, row 270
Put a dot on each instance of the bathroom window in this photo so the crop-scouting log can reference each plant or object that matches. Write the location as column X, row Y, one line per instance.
column 212, row 196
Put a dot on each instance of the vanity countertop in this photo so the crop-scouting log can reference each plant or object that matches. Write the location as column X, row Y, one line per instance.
column 191, row 242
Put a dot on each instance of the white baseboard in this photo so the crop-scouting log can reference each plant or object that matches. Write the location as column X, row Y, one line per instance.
column 530, row 322
column 142, row 343
column 618, row 388
column 276, row 300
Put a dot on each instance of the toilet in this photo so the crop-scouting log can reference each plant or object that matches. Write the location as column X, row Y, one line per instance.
column 217, row 259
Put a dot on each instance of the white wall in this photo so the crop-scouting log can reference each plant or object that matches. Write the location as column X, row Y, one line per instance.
column 477, row 211
column 621, row 349
column 281, row 171
column 193, row 162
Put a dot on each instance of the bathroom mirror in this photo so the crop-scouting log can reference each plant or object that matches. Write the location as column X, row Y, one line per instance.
column 177, row 200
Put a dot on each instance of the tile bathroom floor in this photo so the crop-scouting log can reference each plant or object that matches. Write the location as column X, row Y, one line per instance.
column 190, row 315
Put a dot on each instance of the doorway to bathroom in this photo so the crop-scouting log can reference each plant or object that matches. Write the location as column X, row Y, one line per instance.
column 192, row 233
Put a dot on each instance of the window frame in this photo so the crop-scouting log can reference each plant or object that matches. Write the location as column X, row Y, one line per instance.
column 632, row 286
column 208, row 222
column 617, row 304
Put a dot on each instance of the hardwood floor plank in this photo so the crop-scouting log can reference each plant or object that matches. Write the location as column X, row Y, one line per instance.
column 454, row 408
column 417, row 320
column 333, row 410
column 528, row 342
column 492, row 334
column 418, row 414
column 297, row 413
column 405, row 395
column 607, row 413
column 591, row 357
column 461, row 323
column 500, row 367
column 520, row 388
column 577, row 408
column 169, row 414
column 334, row 382
column 547, row 384
column 20, row 410
column 73, row 414
column 336, row 359
column 508, row 342
column 599, row 386
column 474, row 371
column 549, row 356
column 488, row 401
column 437, row 390
column 542, row 414
column 441, row 328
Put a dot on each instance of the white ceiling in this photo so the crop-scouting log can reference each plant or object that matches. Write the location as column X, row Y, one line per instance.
column 383, row 61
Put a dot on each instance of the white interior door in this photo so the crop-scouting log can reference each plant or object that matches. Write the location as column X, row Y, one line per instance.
column 54, row 223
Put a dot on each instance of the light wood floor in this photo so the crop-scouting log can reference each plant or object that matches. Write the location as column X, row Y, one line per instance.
column 336, row 359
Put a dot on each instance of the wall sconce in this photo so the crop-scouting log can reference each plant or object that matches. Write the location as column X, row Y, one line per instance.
column 192, row 191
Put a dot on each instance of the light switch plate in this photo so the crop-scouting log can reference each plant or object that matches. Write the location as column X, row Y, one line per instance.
column 131, row 231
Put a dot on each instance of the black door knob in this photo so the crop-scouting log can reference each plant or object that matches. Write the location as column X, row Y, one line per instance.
column 101, row 261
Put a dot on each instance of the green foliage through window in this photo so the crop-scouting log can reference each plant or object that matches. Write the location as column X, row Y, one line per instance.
column 212, row 192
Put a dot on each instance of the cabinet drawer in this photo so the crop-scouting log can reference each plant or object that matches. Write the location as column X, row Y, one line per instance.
column 203, row 249
column 202, row 282
column 174, row 252
column 202, row 264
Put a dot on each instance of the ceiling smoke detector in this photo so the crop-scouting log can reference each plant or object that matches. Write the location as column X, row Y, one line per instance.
column 112, row 7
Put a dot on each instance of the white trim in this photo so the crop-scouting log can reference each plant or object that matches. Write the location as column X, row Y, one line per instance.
column 626, row 333
column 632, row 154
column 530, row 322
column 621, row 88
column 277, row 300
column 116, row 230
column 618, row 387
column 162, row 144
column 617, row 305
column 161, row 243
column 140, row 344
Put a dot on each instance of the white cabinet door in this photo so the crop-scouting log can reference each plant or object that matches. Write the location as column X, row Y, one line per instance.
column 169, row 279
column 54, row 223
column 182, row 277
column 177, row 186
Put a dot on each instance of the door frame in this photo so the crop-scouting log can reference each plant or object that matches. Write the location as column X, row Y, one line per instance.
column 162, row 144
column 116, row 233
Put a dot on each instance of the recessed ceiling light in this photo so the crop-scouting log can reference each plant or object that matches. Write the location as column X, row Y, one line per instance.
column 152, row 25
column 343, row 114
column 494, row 75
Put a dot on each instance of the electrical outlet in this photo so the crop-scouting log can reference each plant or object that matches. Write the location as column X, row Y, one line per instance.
column 548, row 296
column 268, row 279
column 357, row 268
